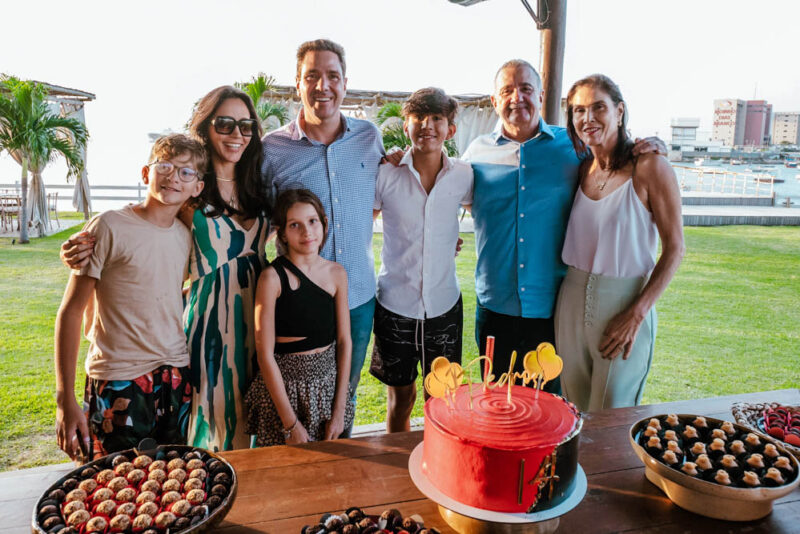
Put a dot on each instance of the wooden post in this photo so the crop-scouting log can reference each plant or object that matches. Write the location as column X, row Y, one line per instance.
column 552, row 67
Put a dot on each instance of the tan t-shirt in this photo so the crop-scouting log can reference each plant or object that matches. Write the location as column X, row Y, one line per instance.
column 140, row 268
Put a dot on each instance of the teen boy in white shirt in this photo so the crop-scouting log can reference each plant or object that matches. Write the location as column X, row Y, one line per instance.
column 418, row 314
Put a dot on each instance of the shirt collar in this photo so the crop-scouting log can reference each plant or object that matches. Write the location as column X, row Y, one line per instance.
column 297, row 132
column 408, row 160
column 544, row 129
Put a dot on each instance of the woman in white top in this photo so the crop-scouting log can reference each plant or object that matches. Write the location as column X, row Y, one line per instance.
column 605, row 316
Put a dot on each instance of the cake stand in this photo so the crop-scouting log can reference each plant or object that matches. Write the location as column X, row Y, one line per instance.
column 470, row 520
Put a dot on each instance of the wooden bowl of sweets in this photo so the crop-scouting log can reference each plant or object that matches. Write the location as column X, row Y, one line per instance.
column 714, row 468
column 171, row 489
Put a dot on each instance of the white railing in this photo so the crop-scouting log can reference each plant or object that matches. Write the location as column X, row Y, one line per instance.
column 138, row 196
column 717, row 181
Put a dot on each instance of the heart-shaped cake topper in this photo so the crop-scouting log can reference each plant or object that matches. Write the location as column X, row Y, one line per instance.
column 444, row 379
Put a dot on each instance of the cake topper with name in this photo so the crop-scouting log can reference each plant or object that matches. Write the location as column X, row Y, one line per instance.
column 541, row 366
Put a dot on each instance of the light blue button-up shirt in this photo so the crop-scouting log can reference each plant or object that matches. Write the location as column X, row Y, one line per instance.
column 522, row 199
column 342, row 175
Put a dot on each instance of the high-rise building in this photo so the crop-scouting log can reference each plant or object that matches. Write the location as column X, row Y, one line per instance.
column 729, row 121
column 684, row 130
column 757, row 123
column 786, row 128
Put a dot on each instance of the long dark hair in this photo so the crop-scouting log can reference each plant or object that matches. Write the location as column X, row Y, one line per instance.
column 289, row 198
column 251, row 195
column 623, row 150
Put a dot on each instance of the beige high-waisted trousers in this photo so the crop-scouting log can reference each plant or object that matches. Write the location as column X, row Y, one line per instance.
column 586, row 302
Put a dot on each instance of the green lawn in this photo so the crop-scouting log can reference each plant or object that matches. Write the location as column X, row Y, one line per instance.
column 728, row 324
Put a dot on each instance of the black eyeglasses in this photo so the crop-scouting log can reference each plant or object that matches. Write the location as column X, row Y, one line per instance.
column 165, row 168
column 225, row 125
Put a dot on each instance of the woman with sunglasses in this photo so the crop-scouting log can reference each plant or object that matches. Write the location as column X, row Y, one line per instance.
column 229, row 226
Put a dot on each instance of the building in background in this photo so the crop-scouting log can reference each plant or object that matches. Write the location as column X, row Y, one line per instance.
column 758, row 119
column 687, row 143
column 786, row 128
column 729, row 121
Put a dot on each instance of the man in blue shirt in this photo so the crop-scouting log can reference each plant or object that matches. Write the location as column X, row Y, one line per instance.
column 526, row 174
column 337, row 158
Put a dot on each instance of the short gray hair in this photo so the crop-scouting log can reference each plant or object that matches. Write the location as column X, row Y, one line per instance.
column 516, row 64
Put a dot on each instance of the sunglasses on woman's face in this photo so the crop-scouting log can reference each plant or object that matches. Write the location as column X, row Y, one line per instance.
column 225, row 125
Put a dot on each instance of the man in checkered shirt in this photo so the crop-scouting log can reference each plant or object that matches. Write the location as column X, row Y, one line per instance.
column 337, row 158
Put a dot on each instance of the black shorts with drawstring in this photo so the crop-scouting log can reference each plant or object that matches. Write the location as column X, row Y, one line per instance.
column 402, row 343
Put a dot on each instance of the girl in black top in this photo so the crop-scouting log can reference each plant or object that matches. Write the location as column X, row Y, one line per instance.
column 302, row 333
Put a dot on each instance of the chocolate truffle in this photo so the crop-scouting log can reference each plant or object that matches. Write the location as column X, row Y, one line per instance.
column 670, row 435
column 157, row 474
column 750, row 479
column 198, row 473
column 106, row 508
column 177, row 474
column 214, row 501
column 703, row 462
column 773, row 477
column 690, row 468
column 171, row 455
column 698, row 448
column 120, row 523
column 151, row 485
column 181, row 523
column 73, row 506
column 104, row 476
column 78, row 517
column 148, row 508
column 135, row 476
column 116, row 484
column 222, row 478
column 75, row 495
column 165, row 519
column 722, row 478
column 69, row 485
column 145, row 496
column 219, row 489
column 770, row 450
column 195, row 463
column 192, row 483
column 102, row 494
column 171, row 485
column 118, row 459
column 123, row 469
column 53, row 522
column 755, row 461
column 47, row 510
column 157, row 464
column 181, row 507
column 126, row 508
column 126, row 495
column 142, row 521
column 169, row 498
column 690, row 433
column 57, row 495
column 728, row 428
column 96, row 524
column 737, row 447
column 142, row 461
column 88, row 485
column 720, row 434
column 655, row 423
column 176, row 463
column 195, row 497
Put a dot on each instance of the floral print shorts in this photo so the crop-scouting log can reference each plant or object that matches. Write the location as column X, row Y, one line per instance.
column 121, row 413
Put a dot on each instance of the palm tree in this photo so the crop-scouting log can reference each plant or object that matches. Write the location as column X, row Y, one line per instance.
column 30, row 132
column 390, row 120
column 255, row 88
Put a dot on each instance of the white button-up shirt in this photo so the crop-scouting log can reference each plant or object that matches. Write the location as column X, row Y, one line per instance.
column 418, row 269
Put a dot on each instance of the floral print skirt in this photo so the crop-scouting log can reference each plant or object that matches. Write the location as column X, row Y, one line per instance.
column 121, row 413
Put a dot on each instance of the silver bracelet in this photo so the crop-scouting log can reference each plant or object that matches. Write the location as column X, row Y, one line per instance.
column 287, row 432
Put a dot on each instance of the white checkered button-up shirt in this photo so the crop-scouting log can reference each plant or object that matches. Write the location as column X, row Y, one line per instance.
column 342, row 175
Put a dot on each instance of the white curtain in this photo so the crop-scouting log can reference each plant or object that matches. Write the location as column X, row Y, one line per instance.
column 81, row 194
column 471, row 122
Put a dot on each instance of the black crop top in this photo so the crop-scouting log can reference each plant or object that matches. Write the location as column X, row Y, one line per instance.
column 308, row 311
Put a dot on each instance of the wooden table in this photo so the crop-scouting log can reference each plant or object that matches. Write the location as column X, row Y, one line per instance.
column 283, row 488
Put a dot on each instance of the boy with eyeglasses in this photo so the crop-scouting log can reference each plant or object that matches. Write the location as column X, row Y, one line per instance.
column 136, row 369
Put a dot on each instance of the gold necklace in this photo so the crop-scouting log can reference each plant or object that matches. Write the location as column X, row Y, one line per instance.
column 602, row 185
column 225, row 180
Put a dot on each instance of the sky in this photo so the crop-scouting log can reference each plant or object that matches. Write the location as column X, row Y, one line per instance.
column 149, row 61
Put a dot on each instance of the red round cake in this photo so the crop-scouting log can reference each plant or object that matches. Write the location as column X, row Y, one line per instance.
column 518, row 457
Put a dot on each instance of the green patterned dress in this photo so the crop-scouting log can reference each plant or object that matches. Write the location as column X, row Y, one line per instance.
column 219, row 323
